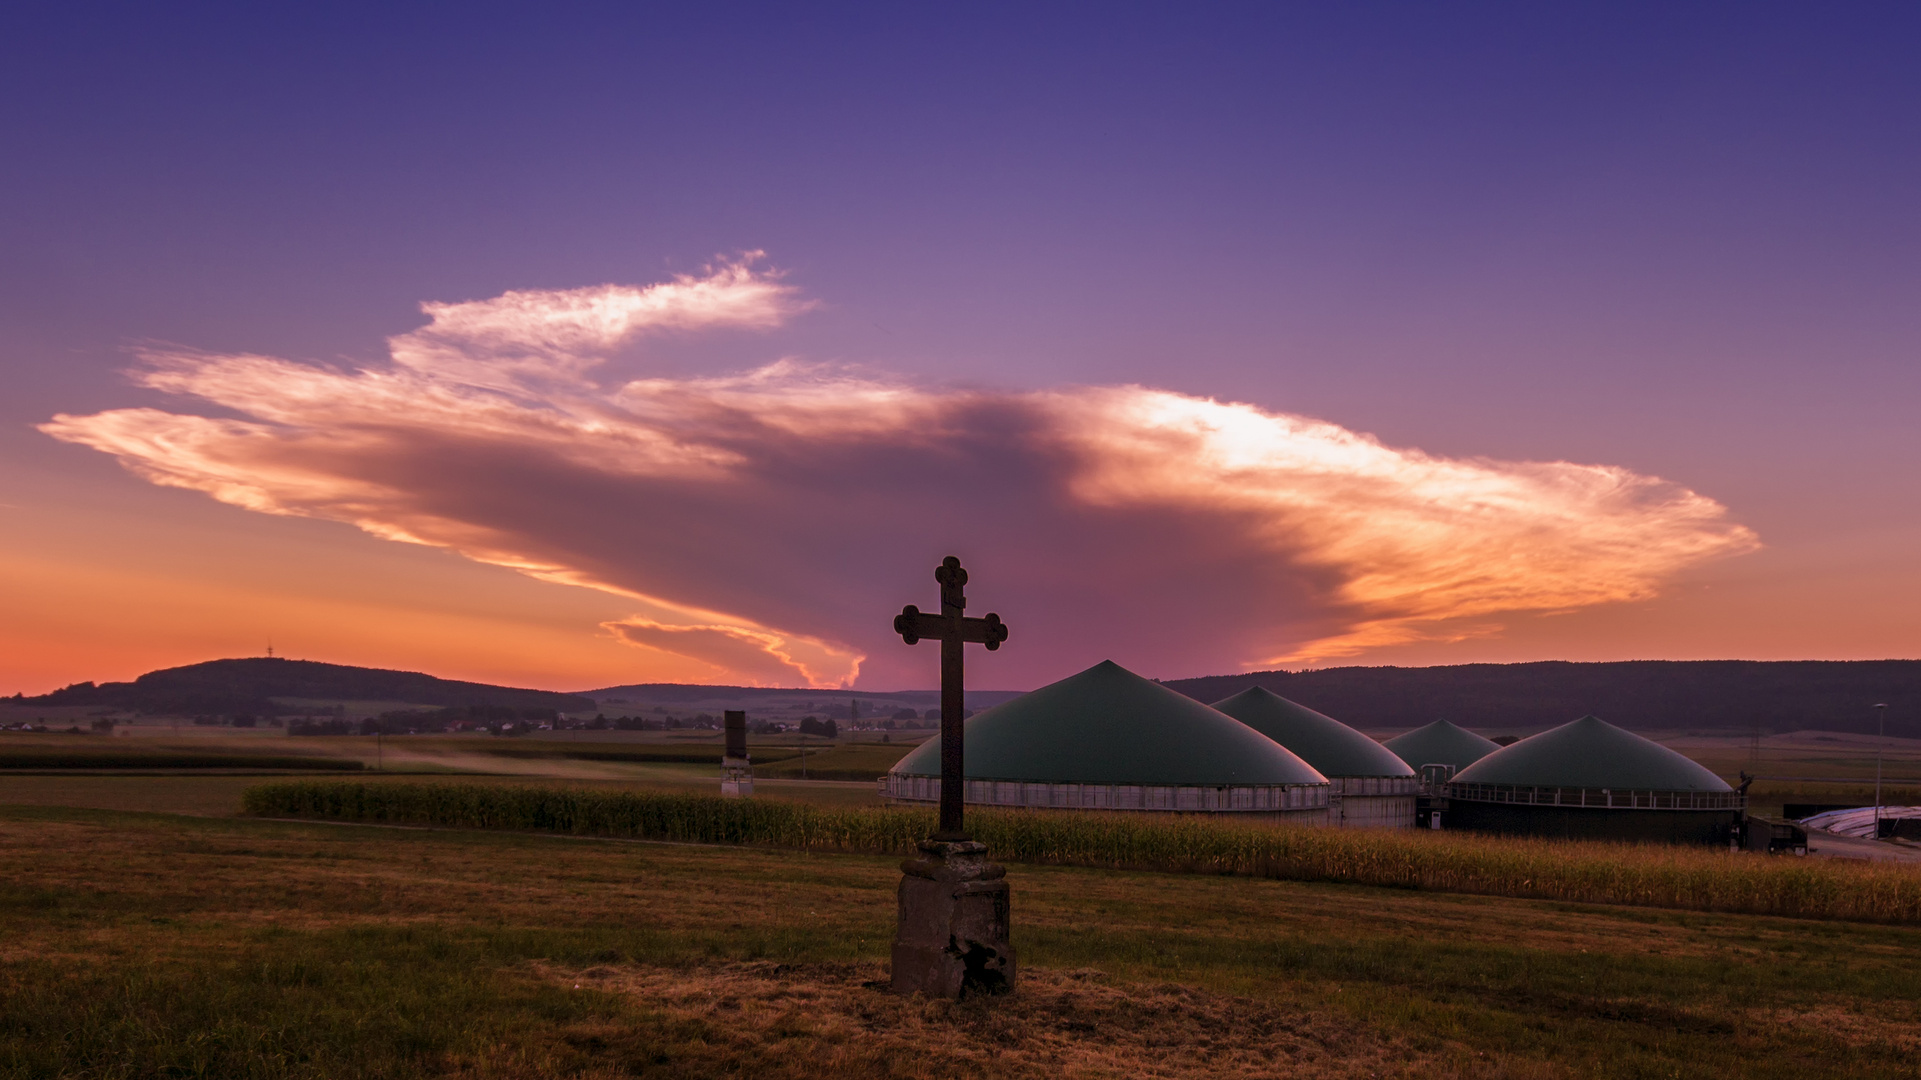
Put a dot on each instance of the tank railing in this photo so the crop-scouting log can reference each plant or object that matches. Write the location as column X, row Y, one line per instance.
column 1609, row 798
column 1263, row 798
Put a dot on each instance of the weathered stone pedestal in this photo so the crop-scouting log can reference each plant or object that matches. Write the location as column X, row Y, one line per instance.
column 953, row 936
column 736, row 778
column 736, row 768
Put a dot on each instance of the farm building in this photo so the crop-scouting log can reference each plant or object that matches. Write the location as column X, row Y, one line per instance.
column 1372, row 787
column 1443, row 744
column 1107, row 739
column 1591, row 780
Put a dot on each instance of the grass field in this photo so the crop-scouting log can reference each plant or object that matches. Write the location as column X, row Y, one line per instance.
column 847, row 761
column 219, row 795
column 154, row 945
column 144, row 944
column 95, row 760
column 649, row 757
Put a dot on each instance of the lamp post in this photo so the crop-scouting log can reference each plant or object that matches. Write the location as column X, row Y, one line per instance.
column 1881, row 711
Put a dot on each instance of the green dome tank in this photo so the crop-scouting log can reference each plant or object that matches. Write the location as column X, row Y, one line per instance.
column 1371, row 787
column 1441, row 743
column 1333, row 748
column 1591, row 753
column 1591, row 780
column 1108, row 725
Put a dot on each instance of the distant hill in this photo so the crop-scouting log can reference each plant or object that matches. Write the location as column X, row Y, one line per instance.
column 1785, row 695
column 252, row 685
column 1737, row 695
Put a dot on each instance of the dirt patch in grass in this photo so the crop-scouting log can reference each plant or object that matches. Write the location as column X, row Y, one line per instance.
column 1885, row 1027
column 776, row 1020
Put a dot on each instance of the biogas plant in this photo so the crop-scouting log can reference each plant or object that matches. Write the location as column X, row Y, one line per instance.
column 1108, row 739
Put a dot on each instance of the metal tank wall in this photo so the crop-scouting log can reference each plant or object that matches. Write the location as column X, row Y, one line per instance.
column 1374, row 802
column 1301, row 804
column 1711, row 827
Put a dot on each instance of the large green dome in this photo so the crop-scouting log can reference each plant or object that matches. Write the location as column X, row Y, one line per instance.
column 1331, row 747
column 1108, row 725
column 1591, row 753
column 1441, row 743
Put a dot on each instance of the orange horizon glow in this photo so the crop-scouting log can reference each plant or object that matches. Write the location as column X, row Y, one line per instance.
column 125, row 594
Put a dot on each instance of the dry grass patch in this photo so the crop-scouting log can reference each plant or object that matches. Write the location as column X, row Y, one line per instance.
column 782, row 1020
column 1890, row 1031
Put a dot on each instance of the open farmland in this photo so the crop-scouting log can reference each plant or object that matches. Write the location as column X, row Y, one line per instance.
column 158, row 945
column 1802, row 767
column 219, row 795
column 651, row 756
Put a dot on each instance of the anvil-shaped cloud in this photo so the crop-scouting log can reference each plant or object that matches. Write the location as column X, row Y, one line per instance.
column 770, row 522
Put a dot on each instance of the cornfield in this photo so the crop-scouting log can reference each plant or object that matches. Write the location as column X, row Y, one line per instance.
column 1584, row 872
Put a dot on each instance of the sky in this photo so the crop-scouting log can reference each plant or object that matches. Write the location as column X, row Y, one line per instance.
column 578, row 345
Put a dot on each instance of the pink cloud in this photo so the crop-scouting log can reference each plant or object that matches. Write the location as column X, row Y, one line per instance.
column 770, row 522
column 736, row 652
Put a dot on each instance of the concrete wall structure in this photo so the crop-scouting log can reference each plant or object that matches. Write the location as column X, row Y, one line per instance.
column 1570, row 822
column 1374, row 802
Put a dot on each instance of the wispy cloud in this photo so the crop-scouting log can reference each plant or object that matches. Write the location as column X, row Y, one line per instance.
column 767, row 522
column 734, row 651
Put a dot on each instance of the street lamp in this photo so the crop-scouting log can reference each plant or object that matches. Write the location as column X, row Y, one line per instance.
column 1880, row 711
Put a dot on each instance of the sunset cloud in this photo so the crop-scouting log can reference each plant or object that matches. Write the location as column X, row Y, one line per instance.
column 744, row 653
column 769, row 522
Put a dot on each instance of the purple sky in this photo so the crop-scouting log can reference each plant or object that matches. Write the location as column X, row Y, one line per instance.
column 1679, row 242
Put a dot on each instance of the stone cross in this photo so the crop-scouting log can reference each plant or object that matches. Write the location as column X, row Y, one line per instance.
column 952, row 628
column 954, row 903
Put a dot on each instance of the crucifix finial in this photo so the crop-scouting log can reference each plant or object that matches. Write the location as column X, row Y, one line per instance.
column 951, row 577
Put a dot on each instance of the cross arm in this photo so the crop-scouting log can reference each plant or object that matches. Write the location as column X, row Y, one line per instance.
column 912, row 624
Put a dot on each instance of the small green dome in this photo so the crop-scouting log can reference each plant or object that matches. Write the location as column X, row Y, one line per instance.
column 1108, row 725
column 1441, row 743
column 1333, row 748
column 1591, row 753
